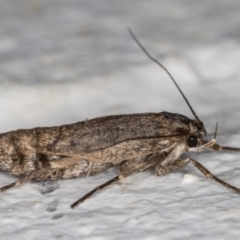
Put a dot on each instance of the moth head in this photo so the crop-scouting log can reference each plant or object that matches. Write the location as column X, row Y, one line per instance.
column 196, row 134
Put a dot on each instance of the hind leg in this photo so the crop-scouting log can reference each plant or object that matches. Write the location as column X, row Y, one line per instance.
column 34, row 175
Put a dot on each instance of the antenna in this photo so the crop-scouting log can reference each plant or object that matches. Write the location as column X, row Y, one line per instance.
column 169, row 74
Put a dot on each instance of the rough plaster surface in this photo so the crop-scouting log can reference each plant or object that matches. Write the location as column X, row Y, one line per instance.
column 65, row 61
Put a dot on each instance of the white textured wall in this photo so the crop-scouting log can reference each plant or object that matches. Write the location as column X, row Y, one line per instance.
column 65, row 61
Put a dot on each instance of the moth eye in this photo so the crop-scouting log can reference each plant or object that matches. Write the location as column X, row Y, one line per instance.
column 192, row 141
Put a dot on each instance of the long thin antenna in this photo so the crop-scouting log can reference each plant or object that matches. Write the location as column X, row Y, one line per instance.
column 169, row 74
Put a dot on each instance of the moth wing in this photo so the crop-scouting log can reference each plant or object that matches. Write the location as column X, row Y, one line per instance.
column 104, row 136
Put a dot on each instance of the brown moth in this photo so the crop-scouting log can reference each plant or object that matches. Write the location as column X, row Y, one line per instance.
column 134, row 142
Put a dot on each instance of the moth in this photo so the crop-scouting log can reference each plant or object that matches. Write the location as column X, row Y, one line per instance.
column 132, row 142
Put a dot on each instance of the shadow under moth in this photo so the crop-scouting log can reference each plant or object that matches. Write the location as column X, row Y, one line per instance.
column 133, row 142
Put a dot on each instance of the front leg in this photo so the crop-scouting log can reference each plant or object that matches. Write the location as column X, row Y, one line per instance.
column 181, row 162
column 217, row 147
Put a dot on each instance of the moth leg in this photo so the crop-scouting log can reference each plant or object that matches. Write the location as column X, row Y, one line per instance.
column 181, row 162
column 14, row 184
column 161, row 170
column 20, row 181
column 128, row 167
column 90, row 169
column 98, row 188
column 141, row 164
column 38, row 175
column 217, row 147
column 208, row 174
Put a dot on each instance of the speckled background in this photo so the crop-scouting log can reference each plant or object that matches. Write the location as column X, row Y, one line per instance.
column 65, row 61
